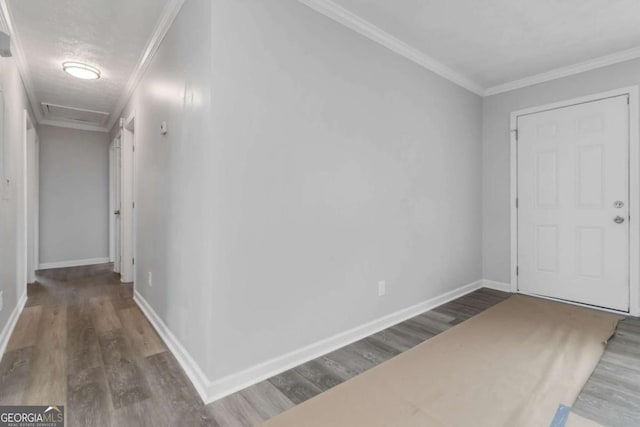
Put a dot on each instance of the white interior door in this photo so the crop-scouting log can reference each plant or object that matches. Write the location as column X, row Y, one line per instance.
column 112, row 203
column 127, row 221
column 573, row 203
column 116, row 204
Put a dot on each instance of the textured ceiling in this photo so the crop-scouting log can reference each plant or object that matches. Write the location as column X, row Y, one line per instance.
column 497, row 41
column 490, row 42
column 109, row 34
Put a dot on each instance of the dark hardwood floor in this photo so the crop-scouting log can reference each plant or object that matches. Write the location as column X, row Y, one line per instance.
column 81, row 341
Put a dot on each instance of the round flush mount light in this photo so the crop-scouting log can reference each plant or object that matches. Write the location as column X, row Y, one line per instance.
column 81, row 71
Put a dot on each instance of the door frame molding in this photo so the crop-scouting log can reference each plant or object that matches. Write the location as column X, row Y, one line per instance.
column 24, row 271
column 127, row 195
column 113, row 145
column 32, row 207
column 634, row 185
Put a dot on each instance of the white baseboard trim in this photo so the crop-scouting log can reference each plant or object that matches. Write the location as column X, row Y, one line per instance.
column 11, row 323
column 235, row 382
column 74, row 263
column 498, row 286
column 191, row 368
column 211, row 391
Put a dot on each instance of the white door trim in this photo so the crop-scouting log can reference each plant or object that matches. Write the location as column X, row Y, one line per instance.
column 32, row 203
column 127, row 212
column 36, row 214
column 112, row 201
column 634, row 185
column 22, row 217
column 117, row 264
column 27, row 243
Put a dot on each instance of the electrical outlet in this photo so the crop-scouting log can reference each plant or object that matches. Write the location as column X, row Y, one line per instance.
column 382, row 288
column 149, row 279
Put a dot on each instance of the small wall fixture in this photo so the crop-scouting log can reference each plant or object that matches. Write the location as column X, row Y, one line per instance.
column 81, row 71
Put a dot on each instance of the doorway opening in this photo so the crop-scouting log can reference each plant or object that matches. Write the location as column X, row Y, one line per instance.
column 115, row 185
column 126, row 218
column 28, row 207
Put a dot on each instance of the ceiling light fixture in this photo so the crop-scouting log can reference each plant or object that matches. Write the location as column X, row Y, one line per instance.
column 81, row 71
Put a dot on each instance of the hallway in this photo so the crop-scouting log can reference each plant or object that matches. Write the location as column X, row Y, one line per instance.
column 82, row 342
column 212, row 212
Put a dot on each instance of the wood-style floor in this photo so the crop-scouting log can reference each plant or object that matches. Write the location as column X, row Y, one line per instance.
column 81, row 341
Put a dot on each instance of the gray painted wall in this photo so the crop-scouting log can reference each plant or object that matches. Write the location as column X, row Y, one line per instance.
column 303, row 164
column 74, row 194
column 495, row 153
column 173, row 203
column 338, row 164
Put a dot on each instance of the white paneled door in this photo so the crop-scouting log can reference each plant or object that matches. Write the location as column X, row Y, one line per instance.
column 573, row 203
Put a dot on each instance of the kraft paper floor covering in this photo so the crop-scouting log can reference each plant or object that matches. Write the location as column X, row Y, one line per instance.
column 511, row 365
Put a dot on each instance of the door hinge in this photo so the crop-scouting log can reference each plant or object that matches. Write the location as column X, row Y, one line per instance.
column 517, row 270
column 516, row 203
column 133, row 261
column 134, row 148
column 133, row 205
column 516, row 131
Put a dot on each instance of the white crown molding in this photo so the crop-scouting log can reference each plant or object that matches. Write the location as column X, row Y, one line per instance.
column 72, row 125
column 167, row 17
column 367, row 29
column 21, row 60
column 570, row 70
